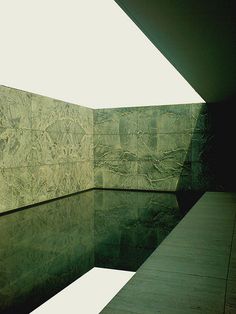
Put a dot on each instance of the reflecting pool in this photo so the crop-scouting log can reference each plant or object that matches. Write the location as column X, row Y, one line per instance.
column 45, row 247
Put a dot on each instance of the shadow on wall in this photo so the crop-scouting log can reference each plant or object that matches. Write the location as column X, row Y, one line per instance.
column 45, row 142
column 220, row 155
column 212, row 153
column 145, row 148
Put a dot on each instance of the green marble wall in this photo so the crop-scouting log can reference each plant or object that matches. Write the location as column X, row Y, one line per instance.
column 204, row 144
column 141, row 148
column 46, row 148
column 49, row 148
column 164, row 148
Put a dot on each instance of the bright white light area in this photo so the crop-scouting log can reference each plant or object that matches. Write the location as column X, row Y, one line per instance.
column 87, row 52
column 89, row 294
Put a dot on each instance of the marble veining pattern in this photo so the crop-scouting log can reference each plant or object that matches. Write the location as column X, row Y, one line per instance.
column 46, row 148
column 165, row 119
column 15, row 108
column 164, row 146
column 51, row 181
column 56, row 147
column 171, row 145
column 115, row 147
column 164, row 175
column 15, row 187
column 115, row 174
column 15, row 147
column 57, row 116
column 116, row 121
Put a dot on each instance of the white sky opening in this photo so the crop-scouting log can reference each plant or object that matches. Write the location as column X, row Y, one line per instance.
column 85, row 52
column 89, row 294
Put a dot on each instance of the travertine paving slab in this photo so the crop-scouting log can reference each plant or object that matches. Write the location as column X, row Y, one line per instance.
column 168, row 292
column 190, row 260
column 188, row 272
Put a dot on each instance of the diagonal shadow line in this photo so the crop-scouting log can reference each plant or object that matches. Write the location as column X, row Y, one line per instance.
column 210, row 162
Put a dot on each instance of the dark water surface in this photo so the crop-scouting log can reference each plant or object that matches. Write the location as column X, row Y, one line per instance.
column 46, row 247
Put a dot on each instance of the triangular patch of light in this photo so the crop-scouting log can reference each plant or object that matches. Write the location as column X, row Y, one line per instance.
column 85, row 52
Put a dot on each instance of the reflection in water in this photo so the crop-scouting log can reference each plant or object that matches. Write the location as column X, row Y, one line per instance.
column 130, row 225
column 46, row 247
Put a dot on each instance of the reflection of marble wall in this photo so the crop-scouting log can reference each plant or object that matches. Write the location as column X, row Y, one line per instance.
column 130, row 225
column 45, row 148
column 47, row 246
column 43, row 249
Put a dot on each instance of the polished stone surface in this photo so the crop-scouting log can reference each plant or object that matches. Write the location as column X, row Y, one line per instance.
column 115, row 174
column 116, row 121
column 174, row 147
column 15, row 108
column 164, row 175
column 51, row 181
column 169, row 293
column 163, row 148
column 165, row 119
column 45, row 247
column 56, row 147
column 192, row 271
column 15, row 187
column 121, row 147
column 130, row 225
column 57, row 116
column 46, row 148
column 15, row 148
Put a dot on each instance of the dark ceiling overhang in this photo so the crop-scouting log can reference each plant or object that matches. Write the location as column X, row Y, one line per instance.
column 197, row 37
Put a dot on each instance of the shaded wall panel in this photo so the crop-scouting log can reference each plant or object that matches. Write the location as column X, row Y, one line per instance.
column 143, row 148
column 164, row 148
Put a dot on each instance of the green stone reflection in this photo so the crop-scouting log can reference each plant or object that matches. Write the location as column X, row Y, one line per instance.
column 47, row 246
